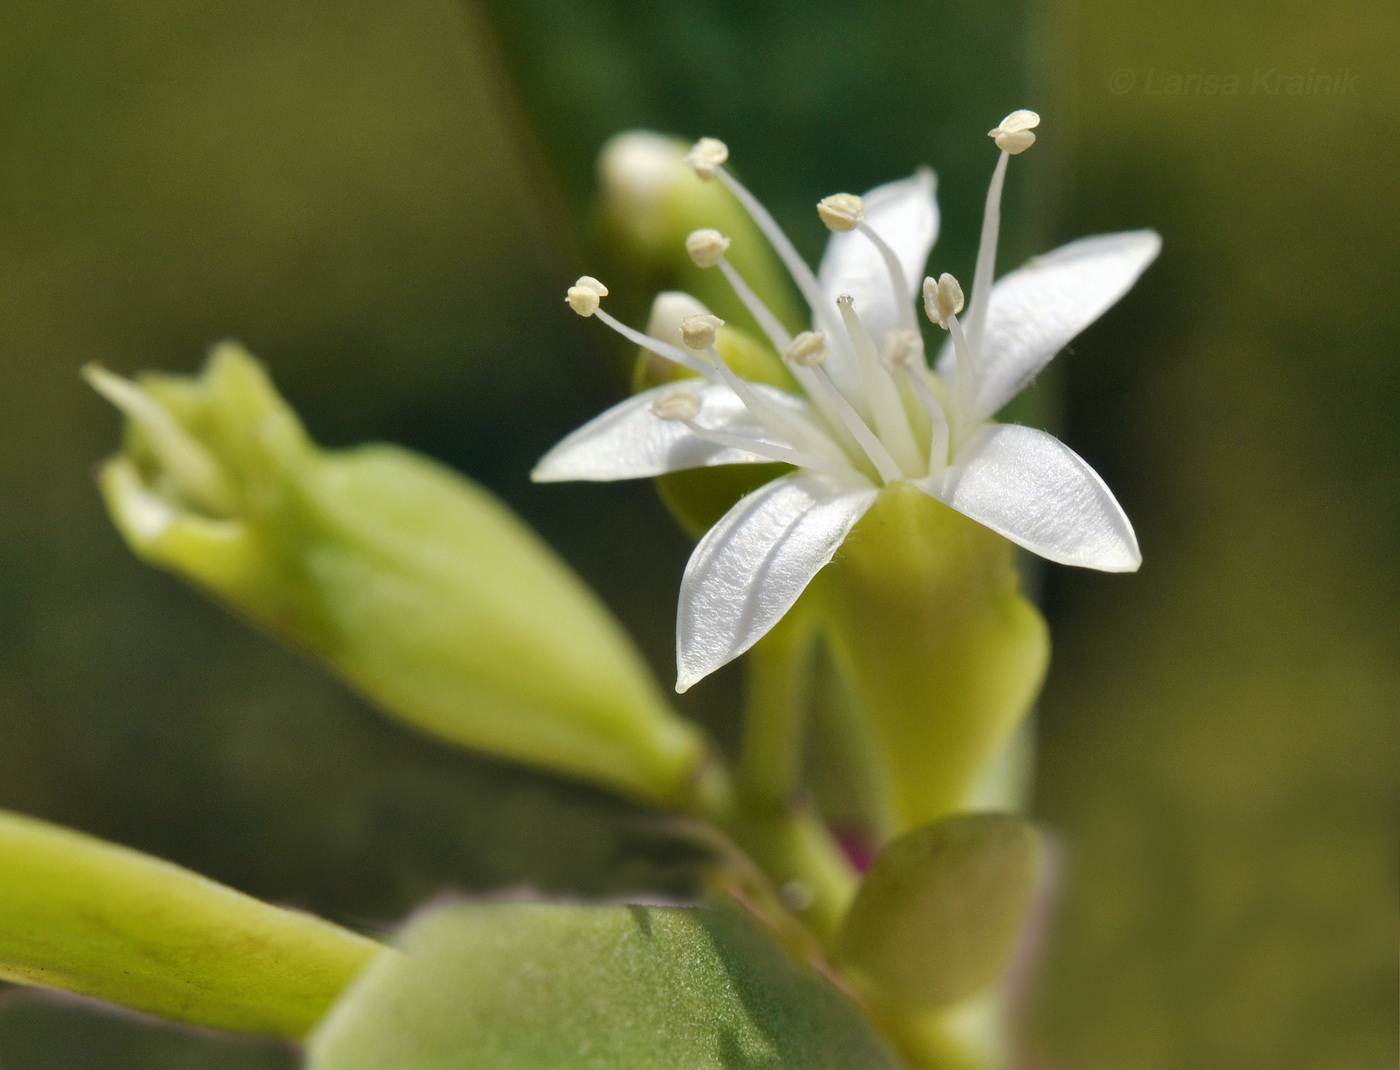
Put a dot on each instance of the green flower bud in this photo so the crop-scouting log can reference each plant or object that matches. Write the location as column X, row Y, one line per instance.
column 415, row 585
column 651, row 201
column 924, row 613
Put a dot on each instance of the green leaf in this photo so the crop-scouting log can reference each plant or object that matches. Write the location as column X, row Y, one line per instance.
column 90, row 917
column 532, row 985
column 938, row 914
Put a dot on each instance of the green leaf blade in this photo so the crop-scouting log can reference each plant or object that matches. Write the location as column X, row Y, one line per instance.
column 533, row 986
column 100, row 920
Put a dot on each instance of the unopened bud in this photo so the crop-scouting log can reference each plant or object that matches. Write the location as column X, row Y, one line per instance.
column 706, row 156
column 943, row 299
column 706, row 247
column 585, row 295
column 677, row 404
column 1013, row 135
column 698, row 332
column 807, row 350
column 841, row 211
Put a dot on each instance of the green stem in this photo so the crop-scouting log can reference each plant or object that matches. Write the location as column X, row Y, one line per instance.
column 779, row 675
column 766, row 813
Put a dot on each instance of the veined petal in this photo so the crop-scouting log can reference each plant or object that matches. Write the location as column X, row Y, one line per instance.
column 751, row 566
column 1040, row 494
column 1037, row 309
column 629, row 442
column 905, row 215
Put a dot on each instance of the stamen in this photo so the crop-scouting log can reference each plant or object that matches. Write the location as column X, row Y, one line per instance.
column 966, row 389
column 860, row 431
column 841, row 211
column 193, row 470
column 1013, row 137
column 654, row 345
column 987, row 253
column 772, row 450
column 698, row 332
column 907, row 319
column 797, row 267
column 681, row 403
column 584, row 296
column 891, row 421
column 943, row 300
column 776, row 421
column 707, row 156
column 706, row 247
column 938, row 419
column 776, row 332
column 808, row 350
column 943, row 297
column 683, row 406
column 1013, row 134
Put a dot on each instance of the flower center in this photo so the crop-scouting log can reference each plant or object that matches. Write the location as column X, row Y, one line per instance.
column 895, row 426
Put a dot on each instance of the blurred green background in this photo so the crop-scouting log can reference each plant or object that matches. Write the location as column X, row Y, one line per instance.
column 385, row 201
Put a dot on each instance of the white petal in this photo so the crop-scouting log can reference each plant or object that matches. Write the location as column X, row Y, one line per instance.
column 905, row 214
column 629, row 442
column 1037, row 309
column 751, row 566
column 1040, row 494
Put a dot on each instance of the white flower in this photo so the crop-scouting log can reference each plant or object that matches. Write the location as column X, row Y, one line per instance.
column 870, row 412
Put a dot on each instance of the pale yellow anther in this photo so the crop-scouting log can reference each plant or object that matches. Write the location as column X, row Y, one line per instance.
column 585, row 295
column 841, row 211
column 706, row 247
column 698, row 332
column 808, row 349
column 678, row 404
column 943, row 299
column 706, row 156
column 1013, row 134
column 902, row 347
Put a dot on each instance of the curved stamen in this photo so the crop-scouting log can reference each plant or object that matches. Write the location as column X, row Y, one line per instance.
column 655, row 345
column 966, row 386
column 869, row 443
column 905, row 296
column 797, row 267
column 777, row 334
column 938, row 419
column 891, row 421
column 770, row 417
column 986, row 254
column 772, row 450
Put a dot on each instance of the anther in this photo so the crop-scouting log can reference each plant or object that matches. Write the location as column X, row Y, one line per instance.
column 706, row 247
column 943, row 299
column 808, row 350
column 677, row 404
column 585, row 295
column 902, row 347
column 1013, row 134
column 698, row 332
column 706, row 156
column 841, row 211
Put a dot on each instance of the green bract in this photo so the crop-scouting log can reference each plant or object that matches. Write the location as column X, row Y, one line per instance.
column 100, row 920
column 534, row 986
column 416, row 585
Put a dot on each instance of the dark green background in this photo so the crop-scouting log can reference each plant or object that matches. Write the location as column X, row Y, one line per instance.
column 385, row 201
